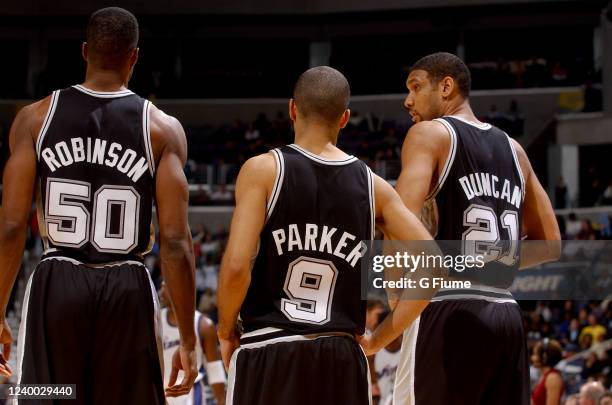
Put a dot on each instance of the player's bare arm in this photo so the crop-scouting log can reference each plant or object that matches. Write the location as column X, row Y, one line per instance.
column 176, row 248
column 18, row 186
column 214, row 364
column 253, row 187
column 398, row 223
column 539, row 221
column 425, row 149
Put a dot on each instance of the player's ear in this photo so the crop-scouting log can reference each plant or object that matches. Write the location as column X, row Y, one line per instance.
column 134, row 57
column 345, row 118
column 446, row 86
column 84, row 51
column 292, row 110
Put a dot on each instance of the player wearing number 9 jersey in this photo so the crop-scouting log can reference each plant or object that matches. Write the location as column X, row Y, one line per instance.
column 292, row 264
column 474, row 185
column 98, row 155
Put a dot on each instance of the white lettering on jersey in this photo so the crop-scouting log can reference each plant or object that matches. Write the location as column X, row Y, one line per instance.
column 486, row 184
column 296, row 238
column 125, row 160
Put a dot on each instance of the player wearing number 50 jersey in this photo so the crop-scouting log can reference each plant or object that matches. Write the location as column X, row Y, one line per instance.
column 98, row 155
column 468, row 346
column 303, row 212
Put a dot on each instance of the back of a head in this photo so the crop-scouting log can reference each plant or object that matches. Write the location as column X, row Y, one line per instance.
column 441, row 64
column 112, row 33
column 550, row 352
column 322, row 93
column 592, row 391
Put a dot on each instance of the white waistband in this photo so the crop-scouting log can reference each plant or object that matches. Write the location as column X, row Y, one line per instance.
column 74, row 261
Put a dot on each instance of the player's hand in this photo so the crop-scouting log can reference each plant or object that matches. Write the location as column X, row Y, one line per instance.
column 375, row 393
column 367, row 343
column 183, row 359
column 228, row 347
column 6, row 340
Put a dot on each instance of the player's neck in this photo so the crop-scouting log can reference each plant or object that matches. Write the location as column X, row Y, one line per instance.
column 461, row 109
column 104, row 80
column 319, row 139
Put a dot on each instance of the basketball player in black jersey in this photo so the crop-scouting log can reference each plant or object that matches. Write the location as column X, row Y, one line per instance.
column 291, row 269
column 98, row 155
column 474, row 183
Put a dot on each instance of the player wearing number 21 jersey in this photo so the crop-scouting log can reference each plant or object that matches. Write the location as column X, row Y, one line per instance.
column 291, row 271
column 98, row 155
column 476, row 183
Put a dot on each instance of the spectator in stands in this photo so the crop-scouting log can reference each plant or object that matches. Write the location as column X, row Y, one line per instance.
column 583, row 317
column 251, row 134
column 200, row 197
column 600, row 348
column 560, row 193
column 357, row 121
column 593, row 328
column 222, row 194
column 546, row 354
column 572, row 400
column 493, row 116
column 385, row 366
column 606, row 197
column 591, row 393
column 262, row 124
column 573, row 334
column 375, row 308
column 572, row 226
column 516, row 119
column 559, row 74
column 592, row 366
column 586, row 231
column 209, row 247
column 606, row 399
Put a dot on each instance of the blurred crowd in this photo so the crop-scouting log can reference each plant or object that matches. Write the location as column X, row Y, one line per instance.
column 574, row 228
column 573, row 339
column 217, row 153
column 531, row 72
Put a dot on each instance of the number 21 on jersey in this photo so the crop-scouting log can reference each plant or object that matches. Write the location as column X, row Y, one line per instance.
column 483, row 234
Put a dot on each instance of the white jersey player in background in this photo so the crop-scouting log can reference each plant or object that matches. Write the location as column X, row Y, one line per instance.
column 206, row 351
column 385, row 366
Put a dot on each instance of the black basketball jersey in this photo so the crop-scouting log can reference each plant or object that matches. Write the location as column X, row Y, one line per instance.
column 479, row 198
column 96, row 172
column 306, row 275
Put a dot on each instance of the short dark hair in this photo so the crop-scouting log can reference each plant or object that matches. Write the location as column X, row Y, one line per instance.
column 323, row 92
column 549, row 351
column 441, row 64
column 112, row 33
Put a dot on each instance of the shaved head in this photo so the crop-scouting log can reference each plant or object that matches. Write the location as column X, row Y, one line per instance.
column 112, row 33
column 322, row 93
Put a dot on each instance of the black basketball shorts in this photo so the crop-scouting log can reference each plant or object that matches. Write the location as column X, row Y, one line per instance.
column 299, row 370
column 464, row 352
column 94, row 327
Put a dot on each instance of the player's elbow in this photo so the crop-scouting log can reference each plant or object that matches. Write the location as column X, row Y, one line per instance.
column 175, row 244
column 234, row 268
column 11, row 229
